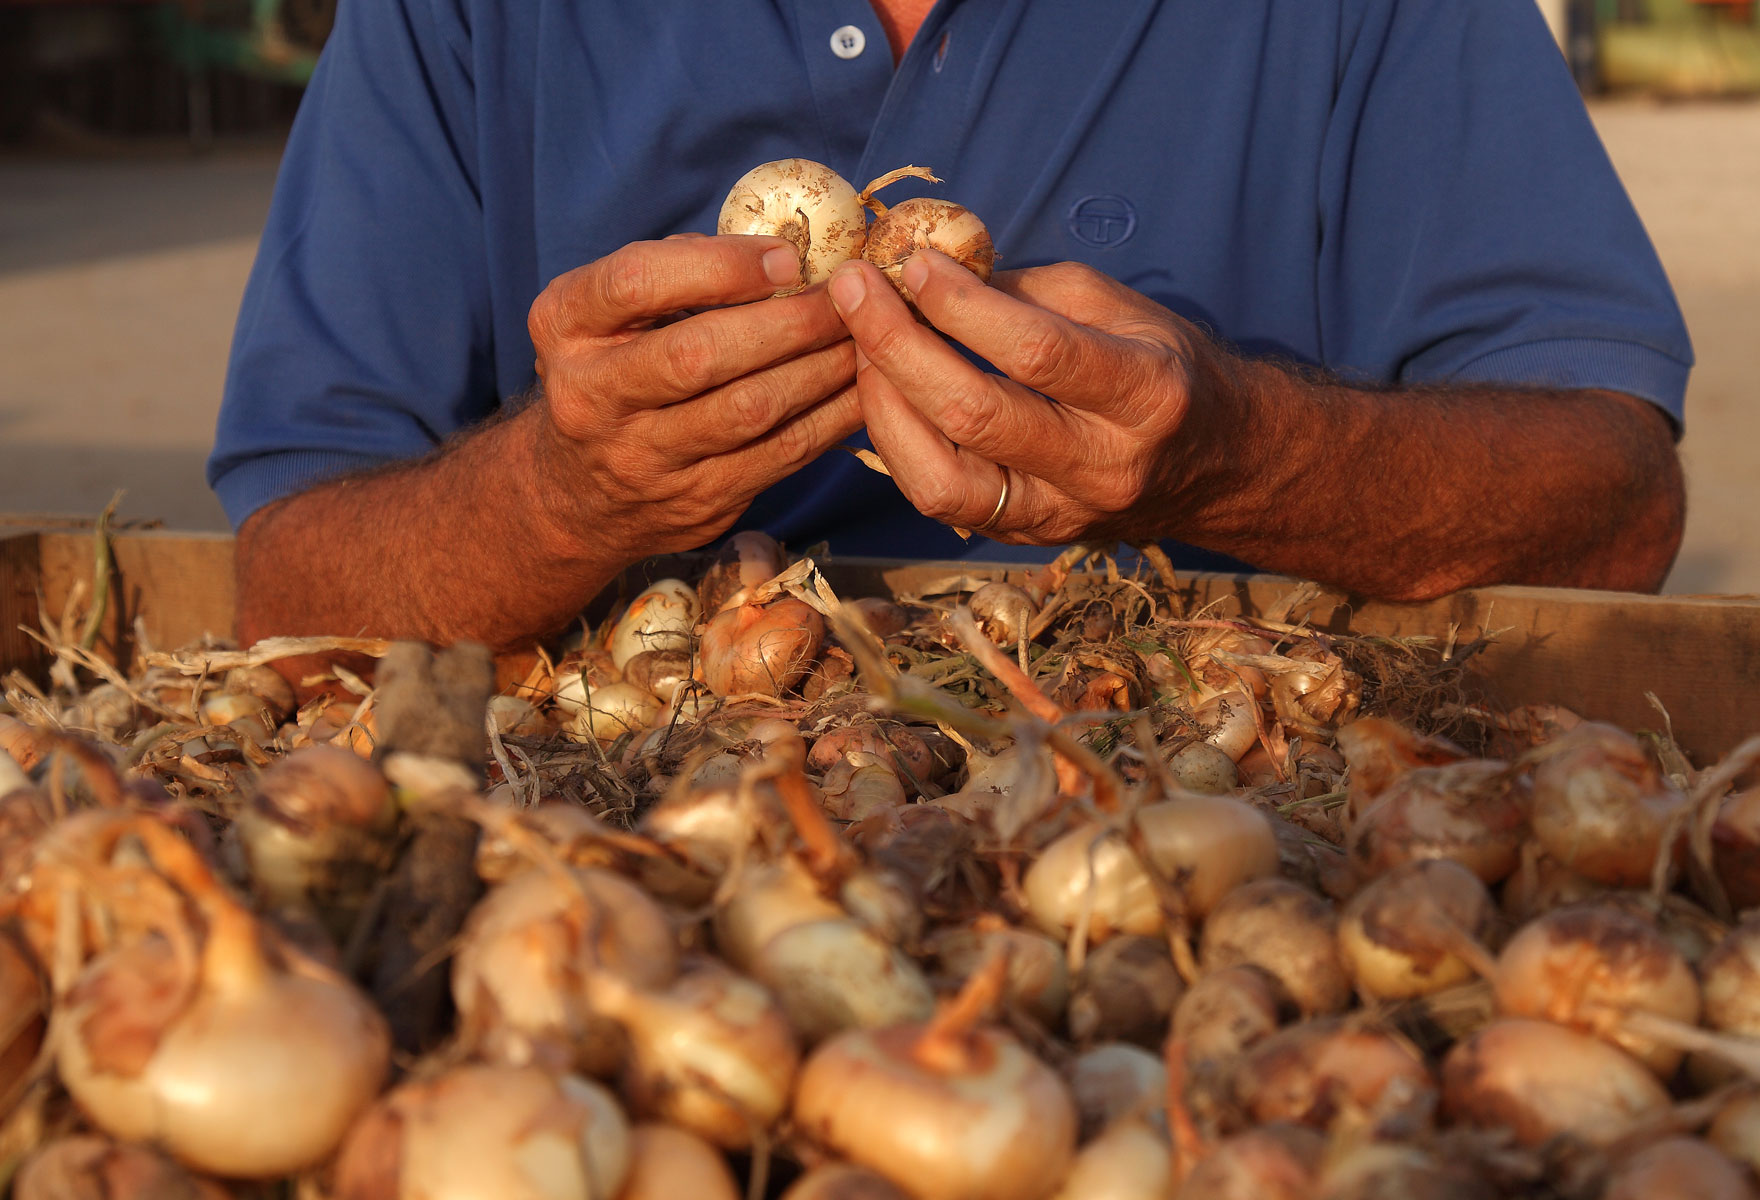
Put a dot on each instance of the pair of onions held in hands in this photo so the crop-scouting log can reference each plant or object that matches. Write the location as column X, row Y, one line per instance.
column 826, row 219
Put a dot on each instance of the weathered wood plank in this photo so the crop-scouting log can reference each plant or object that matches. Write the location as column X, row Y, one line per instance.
column 20, row 576
column 179, row 584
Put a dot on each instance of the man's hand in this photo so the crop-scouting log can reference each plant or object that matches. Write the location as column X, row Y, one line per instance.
column 1104, row 460
column 653, row 432
column 658, row 432
column 1115, row 418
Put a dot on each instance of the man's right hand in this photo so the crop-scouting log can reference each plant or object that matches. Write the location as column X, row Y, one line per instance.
column 658, row 432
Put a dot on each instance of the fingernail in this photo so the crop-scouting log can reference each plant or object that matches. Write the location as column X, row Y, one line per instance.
column 916, row 273
column 782, row 266
column 847, row 289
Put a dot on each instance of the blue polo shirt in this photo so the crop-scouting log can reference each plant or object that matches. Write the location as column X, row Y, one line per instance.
column 1400, row 191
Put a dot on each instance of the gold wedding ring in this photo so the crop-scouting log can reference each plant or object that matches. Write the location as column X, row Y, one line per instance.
column 1001, row 503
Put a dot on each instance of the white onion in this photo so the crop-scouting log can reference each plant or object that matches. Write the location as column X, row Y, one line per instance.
column 1128, row 1161
column 1287, row 931
column 1115, row 1080
column 512, row 1133
column 805, row 202
column 605, row 713
column 925, row 223
column 1228, row 723
column 668, row 1163
column 661, row 618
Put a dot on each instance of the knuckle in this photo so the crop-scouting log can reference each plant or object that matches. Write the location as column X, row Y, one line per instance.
column 966, row 418
column 625, row 281
column 752, row 405
column 1042, row 357
column 542, row 320
column 690, row 357
column 891, row 343
column 796, row 442
column 937, row 498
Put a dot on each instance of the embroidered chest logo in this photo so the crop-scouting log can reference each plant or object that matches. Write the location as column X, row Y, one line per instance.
column 1101, row 220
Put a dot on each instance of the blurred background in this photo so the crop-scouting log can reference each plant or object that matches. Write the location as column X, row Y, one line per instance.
column 138, row 147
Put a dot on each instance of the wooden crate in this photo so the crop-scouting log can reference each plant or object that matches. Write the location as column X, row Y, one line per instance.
column 1594, row 652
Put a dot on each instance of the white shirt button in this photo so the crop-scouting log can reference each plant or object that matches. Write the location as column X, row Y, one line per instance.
column 847, row 41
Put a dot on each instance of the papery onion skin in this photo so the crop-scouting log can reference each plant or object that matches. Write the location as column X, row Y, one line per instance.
column 1397, row 935
column 1678, row 1168
column 513, row 1133
column 759, row 649
column 1473, row 812
column 805, row 202
column 835, row 975
column 23, row 1018
column 1584, row 964
column 1528, row 1077
column 1382, row 1170
column 1206, row 846
column 1602, row 808
column 747, row 559
column 1003, row 612
column 1226, row 1011
column 1274, row 1162
column 1379, row 751
column 843, row 1181
column 1115, row 1080
column 1127, row 991
column 924, row 223
column 1091, row 871
column 1128, row 1161
column 1287, row 931
column 526, row 950
column 1315, row 1072
column 668, row 1163
column 660, row 618
column 83, row 1167
column 318, row 1052
column 1731, row 974
column 1003, row 1128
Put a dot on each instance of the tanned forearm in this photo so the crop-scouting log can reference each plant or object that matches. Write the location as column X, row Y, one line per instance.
column 455, row 546
column 1415, row 493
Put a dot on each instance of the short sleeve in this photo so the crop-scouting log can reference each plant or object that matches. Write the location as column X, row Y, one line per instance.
column 1473, row 228
column 365, row 331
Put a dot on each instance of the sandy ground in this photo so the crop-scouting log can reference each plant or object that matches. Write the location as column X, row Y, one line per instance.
column 120, row 278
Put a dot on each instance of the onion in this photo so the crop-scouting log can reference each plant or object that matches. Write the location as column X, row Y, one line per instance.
column 153, row 1034
column 1286, row 930
column 1603, row 809
column 1731, row 975
column 1589, row 966
column 1416, row 930
column 805, row 202
column 659, row 672
column 514, row 1133
column 529, row 947
column 1471, row 812
column 1678, row 1168
column 884, row 901
column 23, row 1018
column 83, row 1167
column 1003, row 612
column 834, row 975
column 1736, row 1129
column 1201, row 767
column 711, row 826
column 1527, row 1077
column 1229, row 723
column 554, row 827
column 1127, row 1161
column 1320, row 1071
column 661, row 618
column 1382, row 1170
column 1089, row 878
column 517, row 716
column 1276, row 1162
column 1318, row 699
column 1037, row 980
column 667, row 1163
column 767, row 899
column 1735, row 847
column 945, row 1111
column 1127, row 992
column 879, row 616
column 1378, row 751
column 24, row 745
column 860, row 786
column 712, row 1053
column 1224, row 1012
column 841, row 1181
column 1205, row 846
column 922, row 223
column 606, row 713
column 760, row 649
column 1216, row 676
column 1115, row 1080
column 745, row 560
column 896, row 745
column 319, row 831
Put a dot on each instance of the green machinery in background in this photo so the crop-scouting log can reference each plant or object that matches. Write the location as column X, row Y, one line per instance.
column 276, row 40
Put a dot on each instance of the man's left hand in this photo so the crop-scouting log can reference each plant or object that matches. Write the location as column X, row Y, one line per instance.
column 1090, row 418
